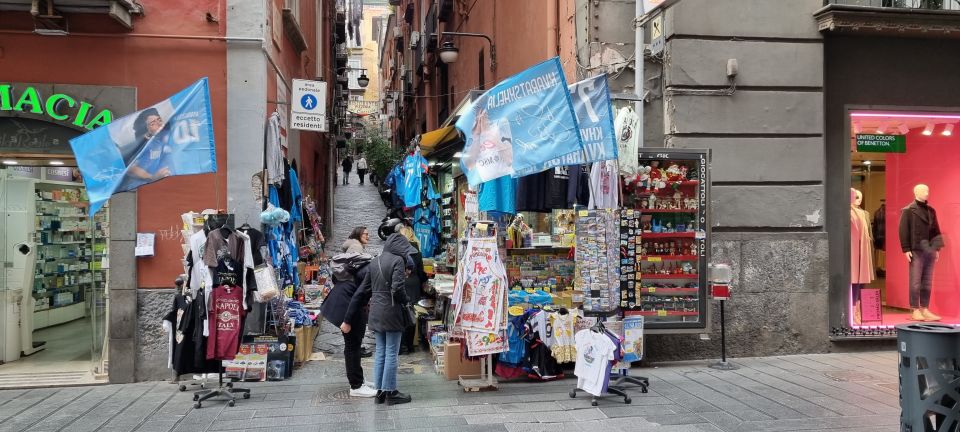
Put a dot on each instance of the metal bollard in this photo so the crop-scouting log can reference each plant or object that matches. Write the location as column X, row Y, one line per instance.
column 929, row 377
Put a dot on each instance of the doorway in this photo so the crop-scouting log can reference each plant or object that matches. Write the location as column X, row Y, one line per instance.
column 55, row 279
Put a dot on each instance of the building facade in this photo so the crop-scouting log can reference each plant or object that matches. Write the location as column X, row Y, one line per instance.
column 769, row 87
column 123, row 56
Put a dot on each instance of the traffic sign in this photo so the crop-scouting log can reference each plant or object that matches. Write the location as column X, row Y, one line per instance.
column 308, row 110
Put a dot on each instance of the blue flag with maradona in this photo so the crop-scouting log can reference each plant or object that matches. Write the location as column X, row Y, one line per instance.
column 171, row 138
column 519, row 124
column 591, row 103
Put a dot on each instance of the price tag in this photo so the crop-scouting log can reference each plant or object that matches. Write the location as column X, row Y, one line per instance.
column 661, row 313
column 584, row 213
column 652, row 290
column 654, row 259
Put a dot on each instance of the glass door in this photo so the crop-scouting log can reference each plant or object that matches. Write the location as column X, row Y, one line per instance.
column 98, row 290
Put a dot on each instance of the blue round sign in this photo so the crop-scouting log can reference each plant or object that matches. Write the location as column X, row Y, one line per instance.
column 308, row 101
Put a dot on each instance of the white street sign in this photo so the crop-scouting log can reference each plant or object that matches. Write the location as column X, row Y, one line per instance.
column 308, row 106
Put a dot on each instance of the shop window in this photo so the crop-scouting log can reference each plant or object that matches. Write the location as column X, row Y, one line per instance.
column 903, row 177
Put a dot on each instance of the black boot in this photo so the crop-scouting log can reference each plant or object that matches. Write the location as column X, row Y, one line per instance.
column 380, row 397
column 397, row 398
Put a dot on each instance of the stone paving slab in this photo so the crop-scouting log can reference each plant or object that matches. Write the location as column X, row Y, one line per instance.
column 790, row 393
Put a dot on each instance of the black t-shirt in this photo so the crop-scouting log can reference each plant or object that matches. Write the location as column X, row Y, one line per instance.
column 578, row 186
column 257, row 242
column 556, row 182
column 529, row 195
column 228, row 272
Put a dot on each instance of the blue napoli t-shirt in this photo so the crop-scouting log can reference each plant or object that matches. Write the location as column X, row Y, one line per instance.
column 498, row 195
column 413, row 168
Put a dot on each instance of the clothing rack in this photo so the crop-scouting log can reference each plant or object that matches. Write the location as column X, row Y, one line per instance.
column 617, row 387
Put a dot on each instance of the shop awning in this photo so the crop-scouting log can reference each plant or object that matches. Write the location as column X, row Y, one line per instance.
column 435, row 138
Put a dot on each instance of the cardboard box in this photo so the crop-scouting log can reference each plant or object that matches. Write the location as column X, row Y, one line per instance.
column 454, row 365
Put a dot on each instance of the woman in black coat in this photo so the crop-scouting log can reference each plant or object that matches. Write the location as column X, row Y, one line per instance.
column 384, row 289
column 334, row 309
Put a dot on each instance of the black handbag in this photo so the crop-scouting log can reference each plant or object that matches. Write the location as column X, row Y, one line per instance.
column 408, row 317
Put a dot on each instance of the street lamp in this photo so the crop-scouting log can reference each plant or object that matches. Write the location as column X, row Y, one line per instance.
column 449, row 52
column 388, row 98
column 363, row 80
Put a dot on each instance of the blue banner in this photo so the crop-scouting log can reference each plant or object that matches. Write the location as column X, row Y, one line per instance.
column 519, row 124
column 591, row 103
column 171, row 138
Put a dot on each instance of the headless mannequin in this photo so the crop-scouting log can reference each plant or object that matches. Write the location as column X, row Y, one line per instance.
column 921, row 267
column 861, row 250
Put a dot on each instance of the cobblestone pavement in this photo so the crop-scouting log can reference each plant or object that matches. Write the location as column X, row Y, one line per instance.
column 355, row 205
column 835, row 392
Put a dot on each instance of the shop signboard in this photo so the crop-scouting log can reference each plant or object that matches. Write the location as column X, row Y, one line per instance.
column 64, row 174
column 876, row 143
column 308, row 108
column 25, row 171
column 58, row 107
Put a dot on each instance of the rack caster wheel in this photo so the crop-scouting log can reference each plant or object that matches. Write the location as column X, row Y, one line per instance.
column 183, row 387
column 593, row 403
column 246, row 395
column 643, row 390
column 196, row 398
column 231, row 403
column 573, row 394
column 197, row 405
column 627, row 401
column 229, row 385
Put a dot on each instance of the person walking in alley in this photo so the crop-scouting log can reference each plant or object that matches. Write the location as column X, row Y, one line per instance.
column 357, row 241
column 354, row 268
column 362, row 168
column 384, row 288
column 347, row 165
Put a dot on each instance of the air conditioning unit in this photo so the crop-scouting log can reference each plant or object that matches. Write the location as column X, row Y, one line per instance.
column 414, row 39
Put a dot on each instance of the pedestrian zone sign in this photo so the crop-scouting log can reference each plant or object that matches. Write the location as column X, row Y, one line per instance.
column 308, row 106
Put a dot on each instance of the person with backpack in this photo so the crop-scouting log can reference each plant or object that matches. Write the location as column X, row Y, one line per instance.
column 348, row 270
column 383, row 288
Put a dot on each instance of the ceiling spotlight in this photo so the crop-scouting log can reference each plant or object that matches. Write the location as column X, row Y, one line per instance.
column 866, row 162
column 881, row 128
column 904, row 129
column 458, row 155
column 56, row 162
column 10, row 162
column 928, row 130
column 947, row 130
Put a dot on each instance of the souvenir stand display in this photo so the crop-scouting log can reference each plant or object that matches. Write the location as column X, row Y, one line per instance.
column 479, row 302
column 665, row 238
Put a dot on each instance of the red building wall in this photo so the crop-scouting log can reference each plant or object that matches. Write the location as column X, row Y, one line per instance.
column 158, row 68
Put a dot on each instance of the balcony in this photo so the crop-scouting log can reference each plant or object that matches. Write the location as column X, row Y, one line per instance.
column 900, row 18
column 342, row 55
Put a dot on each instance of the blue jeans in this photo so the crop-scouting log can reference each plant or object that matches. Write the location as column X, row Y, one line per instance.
column 385, row 360
column 921, row 278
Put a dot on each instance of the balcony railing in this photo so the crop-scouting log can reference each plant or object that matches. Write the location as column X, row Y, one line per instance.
column 927, row 5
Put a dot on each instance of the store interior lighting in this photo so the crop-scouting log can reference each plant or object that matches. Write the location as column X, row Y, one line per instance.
column 866, row 162
column 10, row 162
column 56, row 162
column 856, row 128
column 881, row 128
column 947, row 130
column 928, row 130
column 904, row 129
column 458, row 155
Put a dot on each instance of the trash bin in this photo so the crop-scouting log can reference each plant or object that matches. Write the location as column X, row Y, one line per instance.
column 929, row 377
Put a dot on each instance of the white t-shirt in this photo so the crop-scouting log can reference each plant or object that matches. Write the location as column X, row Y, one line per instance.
column 595, row 351
column 627, row 140
column 604, row 185
column 199, row 275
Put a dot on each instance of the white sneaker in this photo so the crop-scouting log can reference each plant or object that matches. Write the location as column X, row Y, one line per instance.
column 363, row 391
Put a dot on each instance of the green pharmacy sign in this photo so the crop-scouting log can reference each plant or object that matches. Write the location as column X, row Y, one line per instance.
column 874, row 143
column 58, row 107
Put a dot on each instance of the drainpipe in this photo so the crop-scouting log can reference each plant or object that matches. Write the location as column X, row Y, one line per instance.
column 553, row 27
column 638, row 72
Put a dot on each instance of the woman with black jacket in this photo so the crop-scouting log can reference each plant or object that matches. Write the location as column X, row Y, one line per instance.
column 334, row 309
column 383, row 287
column 414, row 288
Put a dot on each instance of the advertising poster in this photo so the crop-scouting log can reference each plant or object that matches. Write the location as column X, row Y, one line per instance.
column 250, row 364
column 632, row 339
